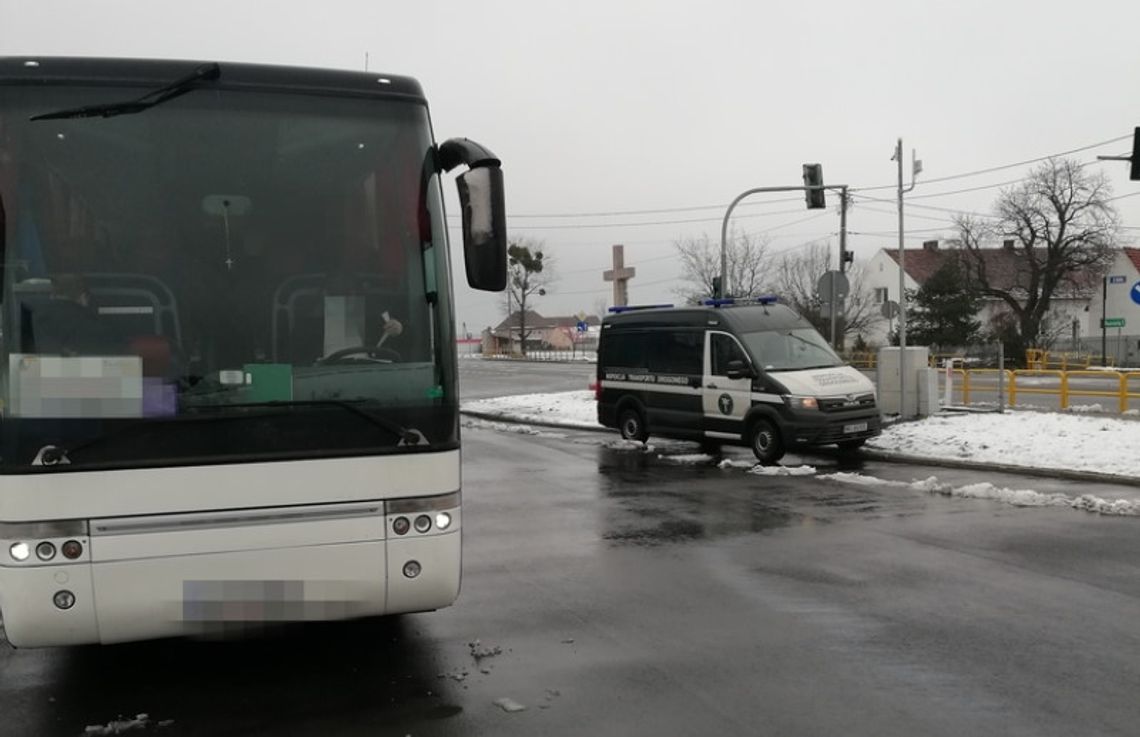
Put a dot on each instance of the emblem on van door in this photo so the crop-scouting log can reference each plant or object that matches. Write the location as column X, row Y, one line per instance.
column 724, row 402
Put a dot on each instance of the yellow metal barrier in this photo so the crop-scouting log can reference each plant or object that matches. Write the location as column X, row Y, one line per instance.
column 1124, row 387
column 1027, row 373
column 1127, row 394
column 862, row 359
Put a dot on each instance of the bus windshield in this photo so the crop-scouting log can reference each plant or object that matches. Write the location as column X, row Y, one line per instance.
column 227, row 276
column 793, row 349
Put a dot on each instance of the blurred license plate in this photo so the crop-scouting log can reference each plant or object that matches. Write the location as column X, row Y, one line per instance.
column 857, row 427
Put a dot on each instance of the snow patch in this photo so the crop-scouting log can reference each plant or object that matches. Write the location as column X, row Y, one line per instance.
column 121, row 725
column 730, row 463
column 688, row 459
column 986, row 490
column 509, row 705
column 783, row 471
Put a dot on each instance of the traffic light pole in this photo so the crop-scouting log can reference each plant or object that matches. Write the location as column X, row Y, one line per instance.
column 758, row 190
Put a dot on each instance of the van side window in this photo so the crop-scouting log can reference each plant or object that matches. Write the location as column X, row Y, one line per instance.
column 724, row 350
column 676, row 353
column 627, row 350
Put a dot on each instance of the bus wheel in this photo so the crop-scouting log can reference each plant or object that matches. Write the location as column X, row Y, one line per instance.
column 765, row 442
column 632, row 424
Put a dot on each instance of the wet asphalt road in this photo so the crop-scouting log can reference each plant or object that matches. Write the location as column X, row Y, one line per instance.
column 630, row 595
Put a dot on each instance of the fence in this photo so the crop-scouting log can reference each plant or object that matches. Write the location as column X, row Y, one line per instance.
column 1122, row 386
column 537, row 354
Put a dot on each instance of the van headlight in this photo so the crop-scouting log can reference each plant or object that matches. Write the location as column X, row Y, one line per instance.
column 802, row 402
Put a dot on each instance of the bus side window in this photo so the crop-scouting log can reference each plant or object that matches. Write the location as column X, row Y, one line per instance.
column 724, row 350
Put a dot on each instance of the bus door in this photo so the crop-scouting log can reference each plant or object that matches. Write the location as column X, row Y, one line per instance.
column 726, row 401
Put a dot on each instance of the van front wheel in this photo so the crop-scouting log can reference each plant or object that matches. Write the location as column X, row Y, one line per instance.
column 631, row 423
column 765, row 441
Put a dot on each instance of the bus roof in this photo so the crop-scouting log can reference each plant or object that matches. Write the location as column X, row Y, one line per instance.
column 742, row 318
column 149, row 73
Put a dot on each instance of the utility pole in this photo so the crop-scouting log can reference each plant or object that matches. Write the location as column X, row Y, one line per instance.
column 916, row 167
column 837, row 340
column 1104, row 322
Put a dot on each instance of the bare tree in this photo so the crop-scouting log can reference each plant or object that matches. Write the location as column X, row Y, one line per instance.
column 1061, row 230
column 528, row 275
column 700, row 266
column 796, row 274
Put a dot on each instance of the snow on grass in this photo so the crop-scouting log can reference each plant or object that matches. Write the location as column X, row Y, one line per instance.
column 1045, row 440
column 513, row 428
column 571, row 409
column 986, row 490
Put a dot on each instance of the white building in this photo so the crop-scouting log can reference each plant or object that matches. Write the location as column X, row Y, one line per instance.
column 1071, row 306
column 1118, row 298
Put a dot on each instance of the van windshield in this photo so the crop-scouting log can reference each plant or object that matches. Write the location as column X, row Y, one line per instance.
column 793, row 349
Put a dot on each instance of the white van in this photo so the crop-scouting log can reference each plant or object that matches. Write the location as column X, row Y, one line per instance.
column 754, row 374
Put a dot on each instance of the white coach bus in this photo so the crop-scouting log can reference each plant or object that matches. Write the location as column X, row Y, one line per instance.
column 229, row 388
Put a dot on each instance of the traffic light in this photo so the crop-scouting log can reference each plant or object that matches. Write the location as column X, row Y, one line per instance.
column 813, row 177
column 717, row 293
column 1134, row 173
column 848, row 257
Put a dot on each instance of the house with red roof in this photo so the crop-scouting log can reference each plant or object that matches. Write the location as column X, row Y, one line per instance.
column 1071, row 305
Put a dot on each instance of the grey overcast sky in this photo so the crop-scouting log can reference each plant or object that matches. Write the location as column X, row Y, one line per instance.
column 610, row 106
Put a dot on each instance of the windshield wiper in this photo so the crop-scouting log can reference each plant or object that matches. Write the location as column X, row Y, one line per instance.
column 53, row 455
column 407, row 435
column 205, row 73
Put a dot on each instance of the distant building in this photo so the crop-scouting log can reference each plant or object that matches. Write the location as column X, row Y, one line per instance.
column 543, row 333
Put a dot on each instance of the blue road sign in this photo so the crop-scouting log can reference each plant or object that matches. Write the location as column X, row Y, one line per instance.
column 1135, row 293
column 1116, row 279
column 582, row 326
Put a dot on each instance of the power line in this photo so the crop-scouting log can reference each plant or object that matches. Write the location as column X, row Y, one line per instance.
column 760, row 203
column 1003, row 167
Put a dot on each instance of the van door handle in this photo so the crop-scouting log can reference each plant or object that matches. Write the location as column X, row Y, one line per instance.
column 711, row 386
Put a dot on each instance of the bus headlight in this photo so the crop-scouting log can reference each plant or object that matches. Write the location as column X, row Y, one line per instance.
column 45, row 551
column 19, row 551
column 412, row 568
column 423, row 523
column 442, row 521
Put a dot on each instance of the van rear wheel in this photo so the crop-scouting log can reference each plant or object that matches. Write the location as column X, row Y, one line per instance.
column 765, row 442
column 631, row 424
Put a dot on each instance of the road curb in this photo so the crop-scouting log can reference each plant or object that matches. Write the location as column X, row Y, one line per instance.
column 1049, row 473
column 512, row 420
column 870, row 454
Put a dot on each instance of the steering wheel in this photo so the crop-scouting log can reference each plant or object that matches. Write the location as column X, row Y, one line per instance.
column 369, row 352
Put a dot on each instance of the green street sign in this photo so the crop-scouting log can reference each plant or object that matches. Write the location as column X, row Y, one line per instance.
column 1112, row 322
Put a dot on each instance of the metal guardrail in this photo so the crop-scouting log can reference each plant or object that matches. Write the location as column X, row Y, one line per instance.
column 1125, row 385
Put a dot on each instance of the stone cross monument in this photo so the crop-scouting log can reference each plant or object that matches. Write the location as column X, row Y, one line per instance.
column 620, row 276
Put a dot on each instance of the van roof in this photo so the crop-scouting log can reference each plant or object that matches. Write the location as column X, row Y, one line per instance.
column 742, row 318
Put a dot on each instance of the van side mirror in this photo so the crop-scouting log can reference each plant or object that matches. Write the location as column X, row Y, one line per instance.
column 739, row 370
column 482, row 202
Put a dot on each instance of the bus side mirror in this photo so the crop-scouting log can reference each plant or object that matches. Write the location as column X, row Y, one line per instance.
column 739, row 370
column 484, row 214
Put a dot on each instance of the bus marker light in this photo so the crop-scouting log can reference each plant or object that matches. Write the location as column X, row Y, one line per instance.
column 45, row 551
column 63, row 599
column 443, row 520
column 412, row 568
column 19, row 551
column 72, row 549
column 401, row 525
column 423, row 523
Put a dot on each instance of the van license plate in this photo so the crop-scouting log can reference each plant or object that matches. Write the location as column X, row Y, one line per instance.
column 858, row 427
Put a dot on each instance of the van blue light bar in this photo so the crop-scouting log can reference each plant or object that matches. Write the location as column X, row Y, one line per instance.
column 770, row 299
column 618, row 309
